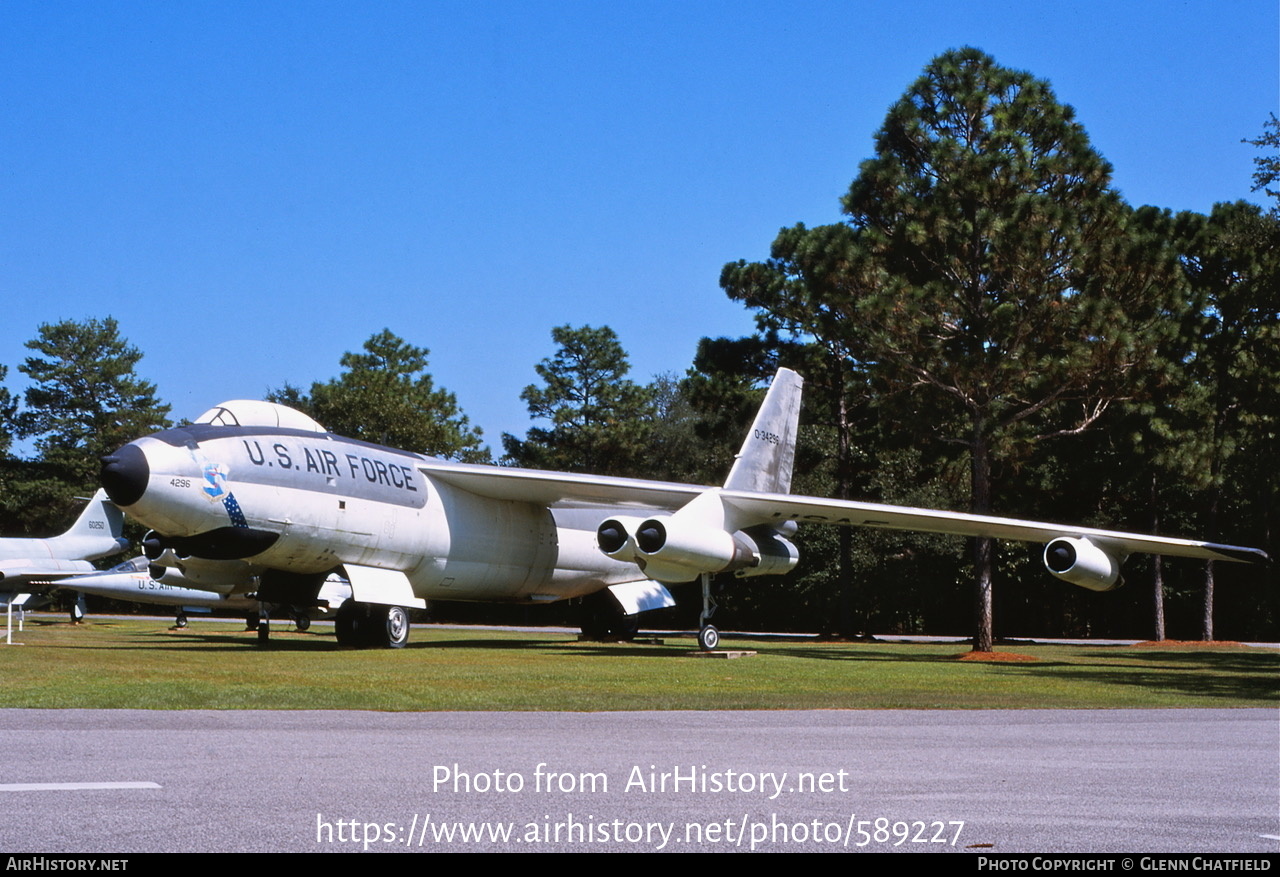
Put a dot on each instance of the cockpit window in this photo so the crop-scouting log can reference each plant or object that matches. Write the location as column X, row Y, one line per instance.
column 220, row 417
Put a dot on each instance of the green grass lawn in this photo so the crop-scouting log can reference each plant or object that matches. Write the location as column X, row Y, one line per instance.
column 140, row 664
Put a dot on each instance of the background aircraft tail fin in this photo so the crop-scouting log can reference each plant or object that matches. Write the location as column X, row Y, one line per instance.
column 100, row 517
column 97, row 532
column 764, row 464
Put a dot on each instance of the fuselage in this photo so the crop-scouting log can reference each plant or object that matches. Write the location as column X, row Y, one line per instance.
column 308, row 502
column 95, row 534
column 133, row 581
column 33, row 563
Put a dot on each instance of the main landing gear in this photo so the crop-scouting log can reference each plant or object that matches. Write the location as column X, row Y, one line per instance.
column 708, row 636
column 603, row 619
column 372, row 625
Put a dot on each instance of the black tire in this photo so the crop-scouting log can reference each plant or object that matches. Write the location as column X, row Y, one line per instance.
column 181, row 621
column 708, row 638
column 302, row 622
column 625, row 627
column 602, row 619
column 344, row 624
column 370, row 625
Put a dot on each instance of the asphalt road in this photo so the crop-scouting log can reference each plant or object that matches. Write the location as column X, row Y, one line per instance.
column 1018, row 781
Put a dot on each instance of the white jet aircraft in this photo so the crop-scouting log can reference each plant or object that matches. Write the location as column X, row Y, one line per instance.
column 28, row 565
column 259, row 492
column 140, row 581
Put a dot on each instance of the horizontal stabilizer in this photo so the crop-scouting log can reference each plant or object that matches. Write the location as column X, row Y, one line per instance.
column 41, row 569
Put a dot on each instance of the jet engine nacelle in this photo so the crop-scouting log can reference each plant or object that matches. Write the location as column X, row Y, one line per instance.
column 615, row 537
column 693, row 548
column 1081, row 562
column 671, row 550
column 777, row 554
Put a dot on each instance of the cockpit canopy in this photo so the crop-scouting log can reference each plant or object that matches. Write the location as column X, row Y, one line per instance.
column 251, row 412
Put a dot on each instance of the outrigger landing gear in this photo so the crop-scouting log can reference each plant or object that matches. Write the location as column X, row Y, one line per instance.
column 180, row 620
column 264, row 627
column 708, row 636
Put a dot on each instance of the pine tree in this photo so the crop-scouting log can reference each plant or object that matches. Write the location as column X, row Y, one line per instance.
column 86, row 401
column 386, row 396
column 599, row 420
column 985, row 275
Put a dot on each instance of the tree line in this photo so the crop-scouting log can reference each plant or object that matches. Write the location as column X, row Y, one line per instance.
column 989, row 328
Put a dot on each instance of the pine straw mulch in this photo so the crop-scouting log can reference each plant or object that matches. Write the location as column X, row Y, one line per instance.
column 1156, row 644
column 994, row 656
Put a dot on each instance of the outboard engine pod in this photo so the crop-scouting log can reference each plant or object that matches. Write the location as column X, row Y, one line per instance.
column 1082, row 563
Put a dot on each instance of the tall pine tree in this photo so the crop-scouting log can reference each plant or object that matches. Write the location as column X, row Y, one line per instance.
column 985, row 275
column 599, row 420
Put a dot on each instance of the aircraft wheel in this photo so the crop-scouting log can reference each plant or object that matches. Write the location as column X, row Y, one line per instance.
column 397, row 627
column 344, row 624
column 251, row 622
column 181, row 620
column 593, row 625
column 264, row 631
column 708, row 638
column 303, row 623
column 625, row 627
column 602, row 619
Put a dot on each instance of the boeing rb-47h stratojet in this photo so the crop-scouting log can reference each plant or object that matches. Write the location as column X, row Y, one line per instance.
column 260, row 497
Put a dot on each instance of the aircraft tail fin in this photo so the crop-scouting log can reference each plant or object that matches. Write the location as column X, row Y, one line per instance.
column 99, row 530
column 99, row 516
column 768, row 454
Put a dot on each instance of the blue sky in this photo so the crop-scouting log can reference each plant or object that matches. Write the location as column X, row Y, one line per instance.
column 253, row 189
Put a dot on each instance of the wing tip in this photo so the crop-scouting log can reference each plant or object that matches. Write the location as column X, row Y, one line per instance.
column 1239, row 554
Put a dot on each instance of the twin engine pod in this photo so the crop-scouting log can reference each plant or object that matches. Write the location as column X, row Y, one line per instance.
column 223, row 543
column 166, row 553
column 669, row 550
column 1081, row 562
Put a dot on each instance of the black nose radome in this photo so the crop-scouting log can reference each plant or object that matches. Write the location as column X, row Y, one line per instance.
column 124, row 475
